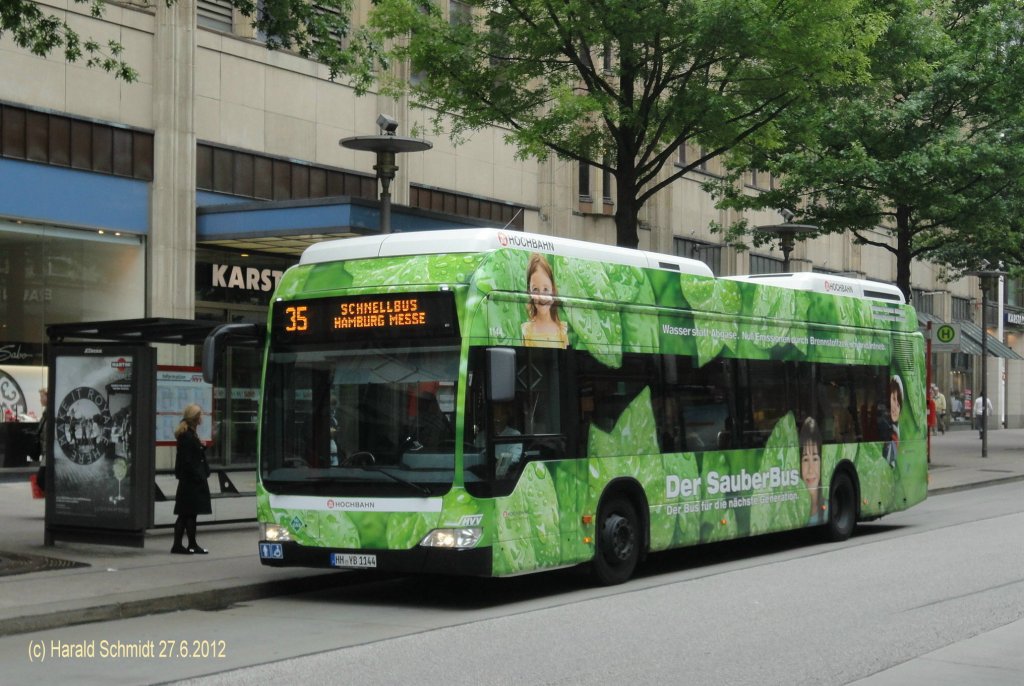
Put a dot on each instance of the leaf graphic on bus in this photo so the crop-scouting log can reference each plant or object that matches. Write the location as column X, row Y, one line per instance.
column 339, row 531
column 686, row 524
column 528, row 523
column 714, row 333
column 718, row 523
column 782, row 307
column 849, row 312
column 634, row 433
column 773, row 303
column 474, row 315
column 877, row 478
column 831, row 456
column 413, row 269
column 504, row 270
column 570, row 479
column 639, row 327
column 502, row 322
column 597, row 330
column 299, row 280
column 408, row 529
column 789, row 505
column 631, row 447
column 372, row 527
column 458, row 505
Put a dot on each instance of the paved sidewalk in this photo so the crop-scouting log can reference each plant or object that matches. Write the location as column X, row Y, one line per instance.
column 125, row 582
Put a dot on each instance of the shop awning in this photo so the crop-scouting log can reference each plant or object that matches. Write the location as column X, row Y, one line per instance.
column 970, row 337
column 290, row 226
column 970, row 342
column 148, row 330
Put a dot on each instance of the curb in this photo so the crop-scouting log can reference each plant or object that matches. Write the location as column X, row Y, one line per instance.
column 212, row 599
column 976, row 484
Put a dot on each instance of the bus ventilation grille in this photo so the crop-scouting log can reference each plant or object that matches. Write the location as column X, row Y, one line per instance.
column 903, row 353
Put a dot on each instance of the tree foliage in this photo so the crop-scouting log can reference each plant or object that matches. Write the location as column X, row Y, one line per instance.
column 319, row 31
column 712, row 73
column 922, row 160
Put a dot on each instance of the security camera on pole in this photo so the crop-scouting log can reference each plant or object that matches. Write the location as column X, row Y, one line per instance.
column 386, row 146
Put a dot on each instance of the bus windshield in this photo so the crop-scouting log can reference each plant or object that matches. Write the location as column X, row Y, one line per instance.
column 368, row 421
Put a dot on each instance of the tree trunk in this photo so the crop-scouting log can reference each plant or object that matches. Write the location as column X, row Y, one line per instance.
column 904, row 246
column 627, row 208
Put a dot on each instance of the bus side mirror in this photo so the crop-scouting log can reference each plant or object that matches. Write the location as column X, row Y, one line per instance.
column 240, row 334
column 501, row 374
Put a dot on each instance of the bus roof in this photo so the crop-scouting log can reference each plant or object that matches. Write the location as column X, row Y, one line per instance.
column 484, row 240
column 828, row 283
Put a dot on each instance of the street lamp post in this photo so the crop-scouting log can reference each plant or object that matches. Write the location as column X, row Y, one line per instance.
column 386, row 146
column 786, row 233
column 986, row 276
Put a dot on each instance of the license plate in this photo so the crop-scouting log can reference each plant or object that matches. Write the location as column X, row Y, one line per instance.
column 353, row 560
column 271, row 551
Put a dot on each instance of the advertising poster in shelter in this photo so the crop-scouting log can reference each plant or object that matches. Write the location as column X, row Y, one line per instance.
column 102, row 406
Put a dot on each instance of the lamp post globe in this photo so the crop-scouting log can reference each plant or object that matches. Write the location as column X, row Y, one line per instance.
column 386, row 146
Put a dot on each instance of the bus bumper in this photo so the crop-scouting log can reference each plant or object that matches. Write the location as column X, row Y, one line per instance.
column 418, row 560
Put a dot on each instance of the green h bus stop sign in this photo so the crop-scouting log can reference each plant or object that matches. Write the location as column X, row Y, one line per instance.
column 947, row 336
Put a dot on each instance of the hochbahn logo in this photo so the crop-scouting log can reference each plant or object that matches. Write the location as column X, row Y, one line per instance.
column 834, row 287
column 517, row 240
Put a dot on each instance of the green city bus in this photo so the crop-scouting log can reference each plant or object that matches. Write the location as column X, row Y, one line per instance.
column 491, row 403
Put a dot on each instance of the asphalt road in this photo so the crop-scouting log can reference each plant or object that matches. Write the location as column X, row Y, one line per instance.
column 782, row 609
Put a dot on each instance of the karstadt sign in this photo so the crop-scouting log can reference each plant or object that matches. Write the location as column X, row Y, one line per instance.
column 244, row 278
column 237, row 283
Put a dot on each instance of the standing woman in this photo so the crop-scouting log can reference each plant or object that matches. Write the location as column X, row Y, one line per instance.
column 193, row 496
column 43, row 439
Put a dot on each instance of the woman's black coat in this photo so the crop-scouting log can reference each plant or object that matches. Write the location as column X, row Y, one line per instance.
column 193, row 495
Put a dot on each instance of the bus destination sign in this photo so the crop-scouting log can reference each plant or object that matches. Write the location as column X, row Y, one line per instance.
column 392, row 315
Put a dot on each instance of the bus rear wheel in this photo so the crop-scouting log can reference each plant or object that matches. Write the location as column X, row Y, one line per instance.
column 842, row 508
column 618, row 542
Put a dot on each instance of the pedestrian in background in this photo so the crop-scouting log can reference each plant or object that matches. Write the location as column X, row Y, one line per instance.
column 932, row 416
column 43, row 439
column 956, row 406
column 940, row 409
column 190, row 468
column 981, row 404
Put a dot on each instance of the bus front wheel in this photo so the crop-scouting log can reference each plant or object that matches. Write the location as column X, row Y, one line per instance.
column 618, row 542
column 842, row 508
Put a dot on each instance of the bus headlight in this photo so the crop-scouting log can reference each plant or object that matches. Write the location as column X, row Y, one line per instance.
column 274, row 532
column 463, row 537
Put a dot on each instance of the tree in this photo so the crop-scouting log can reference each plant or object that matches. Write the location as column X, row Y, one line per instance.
column 923, row 160
column 313, row 30
column 622, row 84
column 999, row 245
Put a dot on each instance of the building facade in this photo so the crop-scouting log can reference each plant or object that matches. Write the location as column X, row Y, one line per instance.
column 144, row 200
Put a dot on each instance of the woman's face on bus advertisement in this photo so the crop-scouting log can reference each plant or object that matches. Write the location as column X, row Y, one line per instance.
column 894, row 405
column 541, row 289
column 810, row 464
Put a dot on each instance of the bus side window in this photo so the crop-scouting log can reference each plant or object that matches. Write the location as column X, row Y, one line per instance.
column 538, row 391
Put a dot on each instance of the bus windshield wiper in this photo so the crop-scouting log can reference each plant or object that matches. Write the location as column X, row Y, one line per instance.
column 380, row 470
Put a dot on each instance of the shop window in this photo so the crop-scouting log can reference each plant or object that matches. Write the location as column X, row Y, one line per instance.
column 50, row 275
